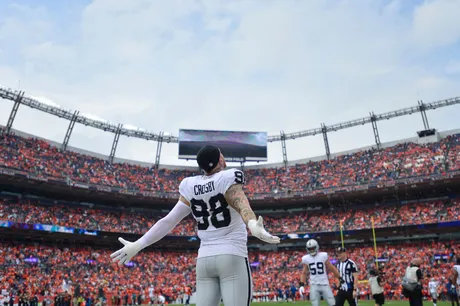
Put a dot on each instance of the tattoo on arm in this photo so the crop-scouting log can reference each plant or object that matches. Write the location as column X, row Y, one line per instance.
column 237, row 199
column 184, row 200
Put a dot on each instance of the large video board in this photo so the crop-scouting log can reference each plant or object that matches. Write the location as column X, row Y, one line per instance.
column 235, row 146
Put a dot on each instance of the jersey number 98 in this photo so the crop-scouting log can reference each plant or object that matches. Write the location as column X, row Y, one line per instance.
column 214, row 211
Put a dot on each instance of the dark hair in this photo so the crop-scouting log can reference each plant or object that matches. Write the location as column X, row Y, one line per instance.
column 208, row 158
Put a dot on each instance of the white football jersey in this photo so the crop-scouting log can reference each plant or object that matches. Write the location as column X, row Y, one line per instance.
column 317, row 266
column 433, row 286
column 302, row 290
column 457, row 268
column 220, row 228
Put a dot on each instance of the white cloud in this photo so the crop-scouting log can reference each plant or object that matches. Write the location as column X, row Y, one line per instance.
column 453, row 67
column 243, row 65
column 436, row 22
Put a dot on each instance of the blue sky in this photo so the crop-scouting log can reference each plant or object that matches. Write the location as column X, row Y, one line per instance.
column 231, row 65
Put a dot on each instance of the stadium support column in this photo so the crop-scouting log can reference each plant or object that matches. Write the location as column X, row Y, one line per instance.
column 69, row 130
column 326, row 141
column 158, row 155
column 115, row 143
column 376, row 130
column 422, row 108
column 283, row 147
column 14, row 111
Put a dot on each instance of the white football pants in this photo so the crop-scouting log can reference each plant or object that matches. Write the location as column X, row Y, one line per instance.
column 325, row 290
column 226, row 276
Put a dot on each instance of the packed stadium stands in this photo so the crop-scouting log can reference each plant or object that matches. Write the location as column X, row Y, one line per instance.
column 170, row 272
column 23, row 267
column 28, row 211
column 371, row 166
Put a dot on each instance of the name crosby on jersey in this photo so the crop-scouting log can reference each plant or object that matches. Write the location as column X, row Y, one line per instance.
column 203, row 189
column 216, row 220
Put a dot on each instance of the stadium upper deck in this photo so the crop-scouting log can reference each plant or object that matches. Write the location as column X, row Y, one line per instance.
column 365, row 169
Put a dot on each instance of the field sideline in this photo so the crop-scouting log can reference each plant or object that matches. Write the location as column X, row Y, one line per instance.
column 361, row 303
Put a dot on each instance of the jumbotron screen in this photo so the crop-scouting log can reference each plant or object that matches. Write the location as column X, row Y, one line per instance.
column 235, row 146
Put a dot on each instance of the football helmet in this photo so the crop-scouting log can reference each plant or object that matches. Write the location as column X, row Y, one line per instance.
column 312, row 247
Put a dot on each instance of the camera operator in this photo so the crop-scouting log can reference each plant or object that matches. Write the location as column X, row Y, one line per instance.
column 412, row 283
column 375, row 284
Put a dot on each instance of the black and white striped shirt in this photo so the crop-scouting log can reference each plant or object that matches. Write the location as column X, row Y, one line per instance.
column 346, row 269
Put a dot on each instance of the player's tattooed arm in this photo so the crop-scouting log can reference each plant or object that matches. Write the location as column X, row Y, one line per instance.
column 184, row 200
column 237, row 199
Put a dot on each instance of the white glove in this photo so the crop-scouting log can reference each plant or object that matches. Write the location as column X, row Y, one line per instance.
column 125, row 254
column 257, row 230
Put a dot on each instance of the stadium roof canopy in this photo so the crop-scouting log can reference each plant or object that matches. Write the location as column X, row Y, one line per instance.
column 74, row 116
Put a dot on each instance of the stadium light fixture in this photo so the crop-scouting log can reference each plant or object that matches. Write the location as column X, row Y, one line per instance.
column 46, row 101
column 94, row 121
column 132, row 127
column 93, row 117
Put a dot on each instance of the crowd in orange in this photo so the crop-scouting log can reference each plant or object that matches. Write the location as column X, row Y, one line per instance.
column 31, row 212
column 369, row 166
column 171, row 274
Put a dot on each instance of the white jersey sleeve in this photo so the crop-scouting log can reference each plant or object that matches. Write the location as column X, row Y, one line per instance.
column 232, row 177
column 305, row 260
column 317, row 267
column 220, row 227
column 183, row 189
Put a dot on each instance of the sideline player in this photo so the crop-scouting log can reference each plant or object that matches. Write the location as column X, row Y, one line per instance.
column 318, row 264
column 302, row 292
column 433, row 289
column 222, row 211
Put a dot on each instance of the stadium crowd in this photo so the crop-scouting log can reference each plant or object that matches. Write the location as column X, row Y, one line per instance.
column 404, row 160
column 170, row 274
column 28, row 211
column 22, row 268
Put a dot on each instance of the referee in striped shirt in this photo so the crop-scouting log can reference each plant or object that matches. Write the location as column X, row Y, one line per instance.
column 348, row 270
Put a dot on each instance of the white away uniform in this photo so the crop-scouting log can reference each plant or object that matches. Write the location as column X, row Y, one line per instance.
column 433, row 289
column 302, row 293
column 151, row 293
column 319, row 281
column 222, row 266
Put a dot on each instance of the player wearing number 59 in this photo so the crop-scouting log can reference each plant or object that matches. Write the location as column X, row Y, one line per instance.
column 318, row 264
column 222, row 211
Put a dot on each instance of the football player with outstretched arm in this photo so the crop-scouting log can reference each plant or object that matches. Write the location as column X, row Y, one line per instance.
column 222, row 211
column 317, row 264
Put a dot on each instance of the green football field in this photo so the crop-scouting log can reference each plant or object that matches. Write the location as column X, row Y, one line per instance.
column 361, row 303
